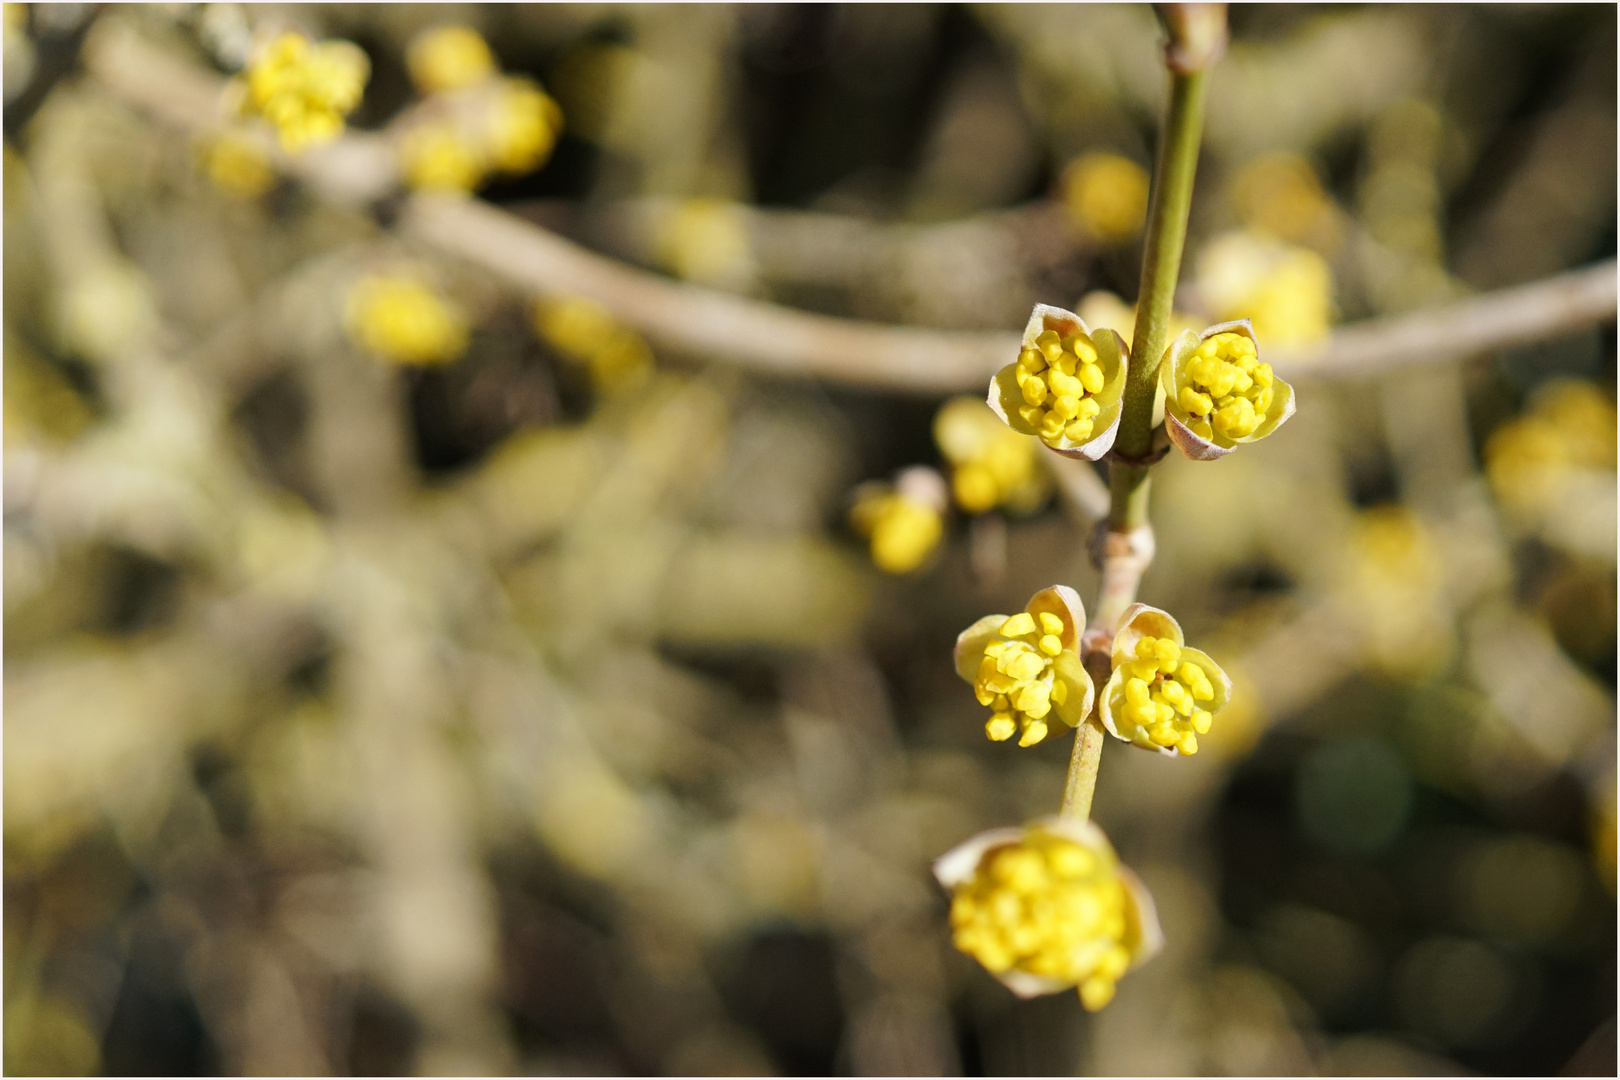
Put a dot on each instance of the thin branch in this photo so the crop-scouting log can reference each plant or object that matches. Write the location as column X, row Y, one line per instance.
column 781, row 341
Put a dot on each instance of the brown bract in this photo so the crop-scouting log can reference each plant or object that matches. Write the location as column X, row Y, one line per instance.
column 1006, row 398
column 1180, row 425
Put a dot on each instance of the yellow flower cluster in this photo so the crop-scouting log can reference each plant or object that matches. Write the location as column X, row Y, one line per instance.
column 305, row 89
column 475, row 121
column 1162, row 695
column 1027, row 667
column 1570, row 426
column 1286, row 291
column 1227, row 387
column 904, row 521
column 449, row 58
column 1060, row 379
column 1048, row 908
column 1218, row 394
column 1106, row 196
column 401, row 320
column 586, row 333
column 991, row 465
column 1065, row 386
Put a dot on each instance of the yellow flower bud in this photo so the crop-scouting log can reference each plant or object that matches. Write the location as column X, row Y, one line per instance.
column 1217, row 394
column 1080, row 384
column 1049, row 908
column 304, row 89
column 1162, row 694
column 400, row 319
column 1028, row 665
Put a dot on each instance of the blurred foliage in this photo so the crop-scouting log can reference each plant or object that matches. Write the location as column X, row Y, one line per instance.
column 539, row 710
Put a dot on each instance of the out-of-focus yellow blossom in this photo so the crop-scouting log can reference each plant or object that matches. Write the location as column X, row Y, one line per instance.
column 1106, row 196
column 1280, row 193
column 448, row 58
column 1570, row 427
column 1218, row 394
column 1049, row 907
column 991, row 465
column 904, row 521
column 437, row 157
column 521, row 126
column 583, row 331
column 1162, row 694
column 1285, row 291
column 237, row 164
column 305, row 89
column 1395, row 587
column 706, row 240
column 1065, row 387
column 399, row 319
column 1105, row 310
column 1027, row 668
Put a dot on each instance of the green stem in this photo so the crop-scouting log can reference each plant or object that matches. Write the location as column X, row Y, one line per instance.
column 1128, row 479
column 1161, row 264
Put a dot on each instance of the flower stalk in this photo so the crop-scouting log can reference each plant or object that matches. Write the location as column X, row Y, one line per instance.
column 1124, row 548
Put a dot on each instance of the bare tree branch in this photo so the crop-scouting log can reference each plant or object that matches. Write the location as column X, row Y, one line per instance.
column 776, row 340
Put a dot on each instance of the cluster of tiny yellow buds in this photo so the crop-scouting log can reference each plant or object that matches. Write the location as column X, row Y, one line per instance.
column 1016, row 678
column 1060, row 379
column 400, row 320
column 614, row 356
column 449, row 58
column 1046, row 911
column 991, row 465
column 1106, row 196
column 1227, row 387
column 238, row 164
column 522, row 127
column 305, row 89
column 904, row 521
column 437, row 157
column 1285, row 291
column 1164, row 694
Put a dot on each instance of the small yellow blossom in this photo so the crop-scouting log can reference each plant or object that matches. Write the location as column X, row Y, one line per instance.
column 1162, row 694
column 399, row 319
column 449, row 58
column 1027, row 667
column 1569, row 427
column 1065, row 387
column 1285, row 291
column 904, row 521
column 237, row 164
column 521, row 126
column 305, row 89
column 707, row 241
column 991, row 465
column 1217, row 392
column 437, row 157
column 586, row 333
column 1106, row 196
column 1049, row 907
